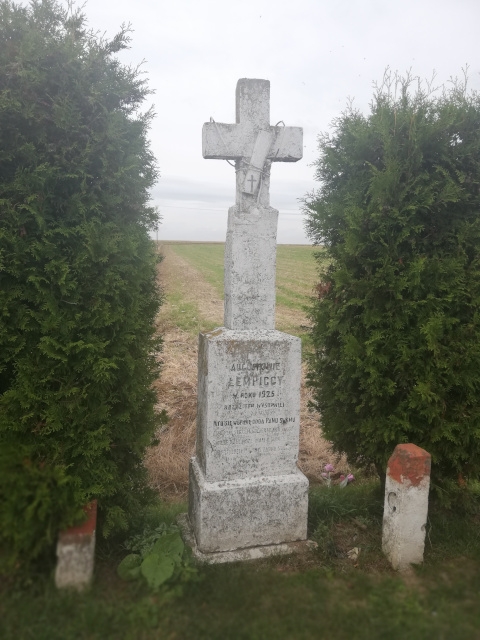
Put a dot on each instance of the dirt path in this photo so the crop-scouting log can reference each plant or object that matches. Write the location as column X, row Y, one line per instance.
column 167, row 462
column 175, row 272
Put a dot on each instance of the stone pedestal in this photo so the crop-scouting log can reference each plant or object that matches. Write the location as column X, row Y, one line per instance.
column 245, row 487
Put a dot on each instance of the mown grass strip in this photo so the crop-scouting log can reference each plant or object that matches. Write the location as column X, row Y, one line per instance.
column 296, row 278
column 322, row 594
column 206, row 258
column 296, row 269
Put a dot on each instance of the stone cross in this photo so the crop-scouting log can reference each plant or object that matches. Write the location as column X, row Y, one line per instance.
column 247, row 496
column 251, row 238
column 252, row 143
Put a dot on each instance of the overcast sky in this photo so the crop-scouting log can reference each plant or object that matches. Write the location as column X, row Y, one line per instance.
column 316, row 54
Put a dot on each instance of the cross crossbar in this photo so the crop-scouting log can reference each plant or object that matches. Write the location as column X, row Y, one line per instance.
column 236, row 141
column 226, row 142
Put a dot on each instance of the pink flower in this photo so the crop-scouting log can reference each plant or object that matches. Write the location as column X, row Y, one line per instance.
column 329, row 468
column 324, row 475
column 350, row 477
column 342, row 477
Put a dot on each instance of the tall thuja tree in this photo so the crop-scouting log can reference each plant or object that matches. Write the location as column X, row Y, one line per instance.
column 396, row 323
column 78, row 295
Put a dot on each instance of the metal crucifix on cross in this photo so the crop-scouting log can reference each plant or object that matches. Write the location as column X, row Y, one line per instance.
column 252, row 142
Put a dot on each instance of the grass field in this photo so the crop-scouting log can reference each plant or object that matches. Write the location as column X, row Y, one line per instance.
column 296, row 277
column 296, row 273
column 319, row 594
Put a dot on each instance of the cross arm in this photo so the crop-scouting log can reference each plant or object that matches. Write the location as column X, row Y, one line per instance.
column 234, row 141
column 288, row 144
column 223, row 141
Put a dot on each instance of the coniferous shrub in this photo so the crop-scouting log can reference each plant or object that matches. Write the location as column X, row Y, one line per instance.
column 78, row 294
column 396, row 320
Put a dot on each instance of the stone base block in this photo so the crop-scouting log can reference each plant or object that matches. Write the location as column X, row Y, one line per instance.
column 239, row 555
column 251, row 512
column 75, row 562
column 248, row 418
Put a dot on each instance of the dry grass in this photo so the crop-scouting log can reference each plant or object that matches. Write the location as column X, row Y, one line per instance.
column 315, row 452
column 167, row 462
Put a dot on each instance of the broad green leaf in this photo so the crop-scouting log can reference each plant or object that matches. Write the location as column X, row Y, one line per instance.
column 129, row 567
column 157, row 569
column 170, row 545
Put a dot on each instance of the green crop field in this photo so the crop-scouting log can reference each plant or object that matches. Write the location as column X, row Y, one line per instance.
column 296, row 269
column 296, row 276
column 207, row 258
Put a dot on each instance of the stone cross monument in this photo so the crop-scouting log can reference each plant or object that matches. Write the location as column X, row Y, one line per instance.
column 247, row 496
column 252, row 226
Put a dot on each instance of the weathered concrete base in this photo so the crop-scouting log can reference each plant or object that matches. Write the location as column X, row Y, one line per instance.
column 245, row 487
column 251, row 512
column 75, row 561
column 76, row 553
column 239, row 555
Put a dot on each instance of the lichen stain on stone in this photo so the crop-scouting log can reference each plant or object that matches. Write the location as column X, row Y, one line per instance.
column 202, row 358
column 409, row 462
column 214, row 333
column 239, row 347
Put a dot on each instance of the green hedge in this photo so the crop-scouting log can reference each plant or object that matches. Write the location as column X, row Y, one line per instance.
column 78, row 293
column 396, row 323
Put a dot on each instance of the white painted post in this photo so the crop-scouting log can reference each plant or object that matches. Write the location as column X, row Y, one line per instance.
column 406, row 505
column 76, row 553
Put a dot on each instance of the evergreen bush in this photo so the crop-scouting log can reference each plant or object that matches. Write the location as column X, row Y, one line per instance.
column 396, row 322
column 78, row 293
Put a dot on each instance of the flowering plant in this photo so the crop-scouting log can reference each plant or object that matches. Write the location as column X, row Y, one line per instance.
column 328, row 470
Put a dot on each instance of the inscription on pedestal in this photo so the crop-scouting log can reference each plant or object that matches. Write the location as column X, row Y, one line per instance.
column 249, row 412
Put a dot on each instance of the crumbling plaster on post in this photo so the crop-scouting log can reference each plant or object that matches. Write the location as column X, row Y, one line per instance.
column 406, row 506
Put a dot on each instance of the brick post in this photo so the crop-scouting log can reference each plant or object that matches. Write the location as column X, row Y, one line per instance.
column 406, row 505
column 76, row 552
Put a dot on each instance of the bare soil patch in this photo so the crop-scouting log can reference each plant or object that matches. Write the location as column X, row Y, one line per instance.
column 167, row 462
